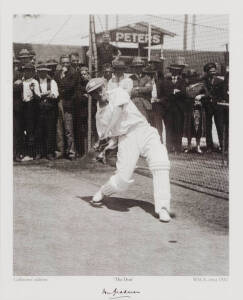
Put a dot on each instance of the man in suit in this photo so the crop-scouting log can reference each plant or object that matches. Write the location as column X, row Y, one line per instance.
column 18, row 131
column 30, row 91
column 106, row 52
column 173, row 93
column 46, row 121
column 212, row 94
column 141, row 93
column 68, row 82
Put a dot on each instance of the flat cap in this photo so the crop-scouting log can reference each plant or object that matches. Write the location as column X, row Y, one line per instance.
column 209, row 66
column 28, row 66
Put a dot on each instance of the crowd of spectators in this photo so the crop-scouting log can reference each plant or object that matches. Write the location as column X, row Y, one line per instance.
column 50, row 103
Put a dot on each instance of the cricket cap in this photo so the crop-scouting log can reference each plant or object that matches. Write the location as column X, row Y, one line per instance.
column 94, row 84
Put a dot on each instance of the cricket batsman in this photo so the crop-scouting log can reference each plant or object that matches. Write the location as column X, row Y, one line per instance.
column 119, row 119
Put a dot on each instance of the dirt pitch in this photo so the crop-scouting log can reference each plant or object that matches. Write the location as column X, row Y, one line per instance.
column 57, row 232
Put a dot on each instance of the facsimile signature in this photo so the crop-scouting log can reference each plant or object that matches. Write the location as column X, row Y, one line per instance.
column 119, row 293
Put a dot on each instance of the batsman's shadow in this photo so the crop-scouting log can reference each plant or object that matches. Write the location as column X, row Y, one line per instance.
column 123, row 204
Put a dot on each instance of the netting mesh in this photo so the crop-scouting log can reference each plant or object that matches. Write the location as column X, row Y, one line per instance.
column 198, row 39
column 188, row 40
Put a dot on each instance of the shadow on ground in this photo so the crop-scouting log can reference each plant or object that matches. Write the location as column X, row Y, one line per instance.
column 124, row 205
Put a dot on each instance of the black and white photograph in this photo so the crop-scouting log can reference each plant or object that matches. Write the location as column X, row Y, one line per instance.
column 120, row 147
column 122, row 132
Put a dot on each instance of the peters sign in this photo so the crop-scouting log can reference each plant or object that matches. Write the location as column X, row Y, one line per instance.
column 139, row 38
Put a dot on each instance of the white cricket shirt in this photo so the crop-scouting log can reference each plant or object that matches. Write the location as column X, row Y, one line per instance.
column 131, row 116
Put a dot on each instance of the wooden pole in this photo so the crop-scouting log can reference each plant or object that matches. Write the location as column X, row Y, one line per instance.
column 149, row 42
column 185, row 33
column 117, row 24
column 106, row 22
column 193, row 32
column 94, row 47
column 89, row 97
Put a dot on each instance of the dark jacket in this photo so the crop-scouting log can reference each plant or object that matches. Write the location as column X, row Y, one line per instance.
column 214, row 91
column 105, row 53
column 166, row 91
column 68, row 87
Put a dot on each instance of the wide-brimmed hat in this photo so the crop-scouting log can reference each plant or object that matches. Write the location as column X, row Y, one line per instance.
column 94, row 84
column 138, row 62
column 178, row 64
column 16, row 61
column 118, row 64
column 28, row 66
column 51, row 62
column 42, row 67
column 209, row 66
column 149, row 70
column 24, row 53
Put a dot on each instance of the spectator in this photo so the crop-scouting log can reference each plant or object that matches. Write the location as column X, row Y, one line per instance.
column 81, row 111
column 173, row 91
column 52, row 65
column 194, row 116
column 106, row 52
column 119, row 79
column 25, row 57
column 17, row 113
column 68, row 82
column 74, row 59
column 31, row 96
column 157, row 112
column 212, row 94
column 107, row 73
column 141, row 93
column 226, row 110
column 46, row 124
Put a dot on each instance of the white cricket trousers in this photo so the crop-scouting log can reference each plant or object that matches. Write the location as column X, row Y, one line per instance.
column 143, row 141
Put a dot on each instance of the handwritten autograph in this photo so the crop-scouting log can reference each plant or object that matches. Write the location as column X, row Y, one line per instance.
column 118, row 293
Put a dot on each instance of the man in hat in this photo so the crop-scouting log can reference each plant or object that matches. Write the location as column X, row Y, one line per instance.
column 119, row 79
column 156, row 114
column 52, row 65
column 117, row 117
column 141, row 93
column 173, row 93
column 30, row 97
column 212, row 94
column 81, row 112
column 17, row 112
column 46, row 125
column 106, row 52
column 25, row 57
column 68, row 83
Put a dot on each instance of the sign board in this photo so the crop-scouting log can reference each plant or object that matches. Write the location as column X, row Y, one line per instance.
column 134, row 37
